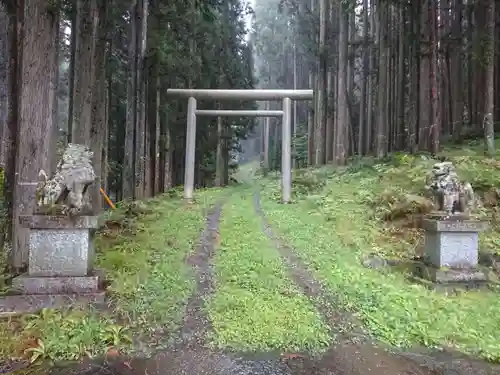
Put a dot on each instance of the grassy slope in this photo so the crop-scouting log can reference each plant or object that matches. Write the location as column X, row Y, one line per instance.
column 149, row 283
column 335, row 227
column 256, row 306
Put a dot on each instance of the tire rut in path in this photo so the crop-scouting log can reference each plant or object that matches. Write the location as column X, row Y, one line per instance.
column 352, row 354
column 196, row 323
column 297, row 270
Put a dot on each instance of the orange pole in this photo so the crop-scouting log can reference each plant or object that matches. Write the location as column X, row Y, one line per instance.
column 108, row 201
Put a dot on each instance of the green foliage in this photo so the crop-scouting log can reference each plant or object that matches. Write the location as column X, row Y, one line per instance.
column 71, row 335
column 53, row 335
column 256, row 306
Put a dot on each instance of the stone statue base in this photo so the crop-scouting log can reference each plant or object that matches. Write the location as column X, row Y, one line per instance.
column 451, row 252
column 61, row 256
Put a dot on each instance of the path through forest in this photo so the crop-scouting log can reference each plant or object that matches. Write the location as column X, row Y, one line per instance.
column 232, row 219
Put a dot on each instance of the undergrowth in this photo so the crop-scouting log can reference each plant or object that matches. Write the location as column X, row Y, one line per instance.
column 344, row 219
column 256, row 307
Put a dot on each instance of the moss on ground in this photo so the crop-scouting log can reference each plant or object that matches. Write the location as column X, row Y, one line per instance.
column 340, row 220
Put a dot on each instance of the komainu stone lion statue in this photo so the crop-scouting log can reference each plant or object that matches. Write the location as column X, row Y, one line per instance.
column 67, row 189
column 448, row 192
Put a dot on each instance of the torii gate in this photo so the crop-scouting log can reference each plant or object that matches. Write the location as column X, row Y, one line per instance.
column 252, row 94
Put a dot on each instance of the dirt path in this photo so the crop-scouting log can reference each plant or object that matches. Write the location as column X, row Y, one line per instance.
column 196, row 323
column 353, row 354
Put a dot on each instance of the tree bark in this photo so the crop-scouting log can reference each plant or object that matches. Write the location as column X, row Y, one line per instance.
column 128, row 173
column 140, row 125
column 10, row 134
column 99, row 121
column 86, row 22
column 35, row 142
column 489, row 67
column 456, row 74
column 342, row 100
column 4, row 82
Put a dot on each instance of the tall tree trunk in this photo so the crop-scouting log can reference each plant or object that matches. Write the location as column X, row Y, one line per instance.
column 414, row 75
column 342, row 122
column 382, row 118
column 267, row 125
column 362, row 128
column 73, row 15
column 166, row 153
column 471, row 76
column 4, row 83
column 86, row 16
column 310, row 126
column 456, row 74
column 155, row 138
column 140, row 124
column 35, row 129
column 425, row 105
column 435, row 123
column 400, row 89
column 219, row 157
column 10, row 134
column 319, row 118
column 99, row 121
column 371, row 81
column 295, row 118
column 489, row 67
column 128, row 173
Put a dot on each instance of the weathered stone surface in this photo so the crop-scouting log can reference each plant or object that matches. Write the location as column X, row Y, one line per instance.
column 30, row 304
column 452, row 249
column 68, row 187
column 56, row 285
column 452, row 243
column 454, row 225
column 60, row 252
column 449, row 281
column 58, row 222
column 449, row 193
column 444, row 276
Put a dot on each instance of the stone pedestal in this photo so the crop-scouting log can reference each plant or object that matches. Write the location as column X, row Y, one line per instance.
column 451, row 252
column 60, row 255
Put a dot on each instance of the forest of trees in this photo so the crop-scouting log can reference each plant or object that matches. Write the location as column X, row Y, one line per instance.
column 387, row 75
column 95, row 72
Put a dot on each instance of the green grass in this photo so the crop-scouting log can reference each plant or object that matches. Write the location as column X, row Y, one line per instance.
column 256, row 307
column 143, row 257
column 336, row 226
column 150, row 279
